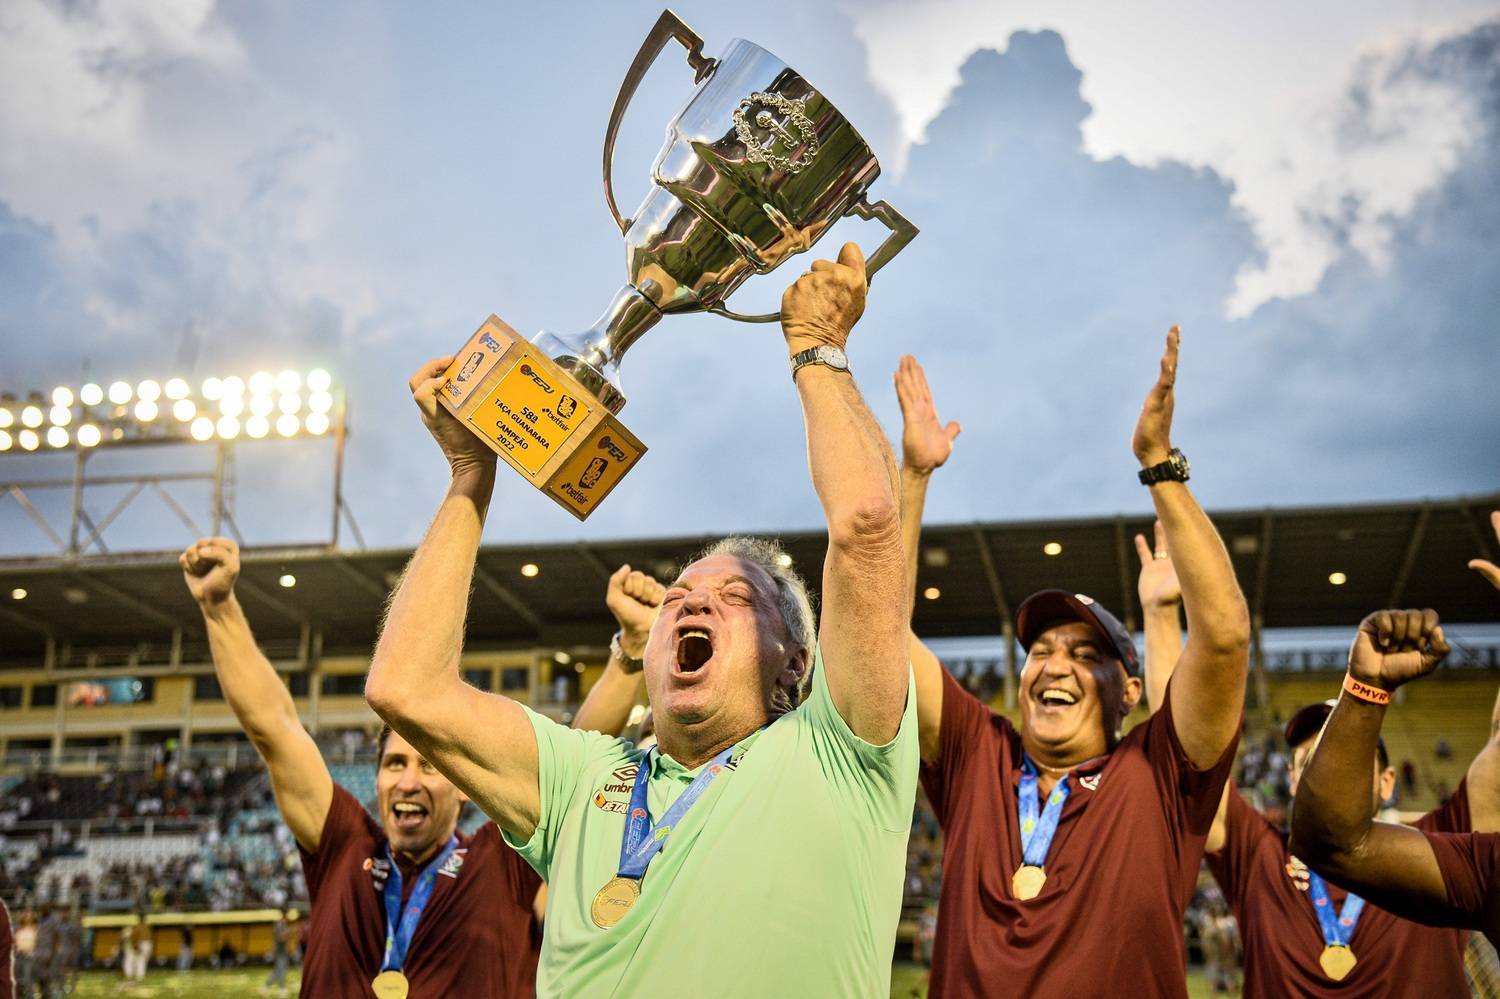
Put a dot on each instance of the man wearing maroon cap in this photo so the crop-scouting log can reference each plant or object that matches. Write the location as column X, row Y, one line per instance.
column 1302, row 935
column 1436, row 878
column 1070, row 851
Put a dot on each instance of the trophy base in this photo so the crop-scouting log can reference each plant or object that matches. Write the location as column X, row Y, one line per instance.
column 538, row 418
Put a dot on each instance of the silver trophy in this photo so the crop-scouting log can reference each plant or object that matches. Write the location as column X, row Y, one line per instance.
column 756, row 167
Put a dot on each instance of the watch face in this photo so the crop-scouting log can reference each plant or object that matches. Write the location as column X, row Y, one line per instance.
column 833, row 357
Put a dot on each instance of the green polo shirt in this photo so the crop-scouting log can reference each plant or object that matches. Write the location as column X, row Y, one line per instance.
column 783, row 879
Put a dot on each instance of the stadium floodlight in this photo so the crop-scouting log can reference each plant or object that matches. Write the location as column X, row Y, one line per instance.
column 932, row 593
column 1052, row 548
column 1337, row 578
column 284, row 403
column 530, row 569
column 5, row 440
column 19, row 593
column 287, row 581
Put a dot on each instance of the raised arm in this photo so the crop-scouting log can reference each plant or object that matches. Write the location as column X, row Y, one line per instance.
column 1208, row 696
column 1484, row 773
column 1161, row 614
column 632, row 597
column 925, row 446
column 482, row 742
column 1332, row 827
column 256, row 694
column 863, row 628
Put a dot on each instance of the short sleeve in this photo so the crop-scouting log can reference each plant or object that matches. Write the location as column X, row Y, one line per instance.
column 962, row 735
column 883, row 779
column 1468, row 862
column 1245, row 831
column 347, row 826
column 563, row 756
column 1190, row 795
column 1452, row 816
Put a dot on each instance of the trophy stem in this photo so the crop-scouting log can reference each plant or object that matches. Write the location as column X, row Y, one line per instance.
column 593, row 356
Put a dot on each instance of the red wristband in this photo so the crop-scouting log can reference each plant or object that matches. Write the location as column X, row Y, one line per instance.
column 1365, row 692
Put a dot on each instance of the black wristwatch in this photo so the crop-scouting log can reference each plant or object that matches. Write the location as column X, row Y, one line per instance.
column 628, row 663
column 1174, row 469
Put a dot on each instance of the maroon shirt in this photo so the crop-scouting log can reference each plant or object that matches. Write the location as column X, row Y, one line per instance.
column 1120, row 873
column 7, row 955
column 476, row 937
column 1470, row 863
column 1267, row 889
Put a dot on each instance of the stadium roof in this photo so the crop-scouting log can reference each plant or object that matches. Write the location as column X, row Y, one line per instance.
column 1409, row 554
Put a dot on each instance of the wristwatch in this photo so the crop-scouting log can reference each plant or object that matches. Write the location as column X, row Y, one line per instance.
column 628, row 664
column 1174, row 469
column 833, row 357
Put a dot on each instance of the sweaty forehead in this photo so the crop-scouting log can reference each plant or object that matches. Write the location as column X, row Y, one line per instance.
column 717, row 570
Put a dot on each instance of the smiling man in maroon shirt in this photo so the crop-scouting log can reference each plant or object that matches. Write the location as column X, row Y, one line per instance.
column 1100, row 907
column 1274, row 896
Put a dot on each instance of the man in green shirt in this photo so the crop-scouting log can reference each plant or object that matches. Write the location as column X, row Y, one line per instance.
column 782, row 828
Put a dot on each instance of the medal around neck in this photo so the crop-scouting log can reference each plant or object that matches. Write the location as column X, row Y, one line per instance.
column 390, row 985
column 614, row 900
column 757, row 166
column 1337, row 961
column 1027, row 882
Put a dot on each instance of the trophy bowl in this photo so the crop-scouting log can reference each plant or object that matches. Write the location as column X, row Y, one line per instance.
column 756, row 167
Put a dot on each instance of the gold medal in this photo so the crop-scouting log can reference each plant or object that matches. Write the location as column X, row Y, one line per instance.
column 613, row 901
column 390, row 985
column 1027, row 882
column 1337, row 961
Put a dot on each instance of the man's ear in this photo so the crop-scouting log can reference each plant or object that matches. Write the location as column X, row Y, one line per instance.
column 1132, row 693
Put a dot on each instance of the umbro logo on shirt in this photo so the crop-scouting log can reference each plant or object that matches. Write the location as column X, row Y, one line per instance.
column 454, row 863
column 1091, row 782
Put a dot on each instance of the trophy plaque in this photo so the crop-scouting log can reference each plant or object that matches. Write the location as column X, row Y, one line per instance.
column 757, row 166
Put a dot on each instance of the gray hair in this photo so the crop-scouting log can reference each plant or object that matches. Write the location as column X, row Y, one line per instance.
column 792, row 599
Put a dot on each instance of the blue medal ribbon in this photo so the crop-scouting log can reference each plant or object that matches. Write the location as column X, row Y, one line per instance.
column 1037, row 831
column 1337, row 930
column 643, row 840
column 399, row 924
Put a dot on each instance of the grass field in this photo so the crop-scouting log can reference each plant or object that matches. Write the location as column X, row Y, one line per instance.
column 216, row 984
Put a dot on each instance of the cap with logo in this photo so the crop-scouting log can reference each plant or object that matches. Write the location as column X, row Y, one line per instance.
column 1046, row 608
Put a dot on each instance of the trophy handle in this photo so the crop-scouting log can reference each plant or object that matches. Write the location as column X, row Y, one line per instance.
column 668, row 27
column 902, row 232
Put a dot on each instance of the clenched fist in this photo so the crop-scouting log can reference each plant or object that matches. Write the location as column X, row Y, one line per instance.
column 633, row 598
column 1394, row 646
column 210, row 566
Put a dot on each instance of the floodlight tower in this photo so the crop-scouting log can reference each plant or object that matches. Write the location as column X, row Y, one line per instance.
column 289, row 406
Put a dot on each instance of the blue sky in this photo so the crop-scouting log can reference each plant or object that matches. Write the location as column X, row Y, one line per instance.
column 200, row 190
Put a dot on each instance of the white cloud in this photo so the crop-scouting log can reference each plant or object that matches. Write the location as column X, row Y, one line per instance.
column 1251, row 90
